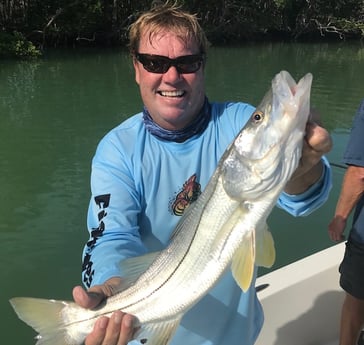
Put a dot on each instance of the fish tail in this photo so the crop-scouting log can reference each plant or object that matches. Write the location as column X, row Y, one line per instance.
column 45, row 317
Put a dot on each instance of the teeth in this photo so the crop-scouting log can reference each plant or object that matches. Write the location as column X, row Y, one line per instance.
column 177, row 93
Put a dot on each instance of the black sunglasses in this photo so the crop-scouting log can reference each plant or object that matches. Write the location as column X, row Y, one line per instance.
column 161, row 64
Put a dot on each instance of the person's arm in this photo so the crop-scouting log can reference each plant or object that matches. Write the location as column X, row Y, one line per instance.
column 351, row 191
column 114, row 235
column 112, row 217
column 353, row 181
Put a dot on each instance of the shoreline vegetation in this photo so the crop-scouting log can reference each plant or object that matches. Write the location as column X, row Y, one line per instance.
column 29, row 28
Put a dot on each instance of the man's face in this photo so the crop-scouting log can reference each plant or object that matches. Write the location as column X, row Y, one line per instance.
column 172, row 99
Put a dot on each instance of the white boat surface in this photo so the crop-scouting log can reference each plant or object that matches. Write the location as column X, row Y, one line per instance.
column 302, row 301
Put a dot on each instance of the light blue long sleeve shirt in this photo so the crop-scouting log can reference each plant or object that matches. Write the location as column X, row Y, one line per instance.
column 140, row 186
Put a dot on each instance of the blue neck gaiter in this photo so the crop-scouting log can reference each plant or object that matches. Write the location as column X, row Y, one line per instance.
column 197, row 126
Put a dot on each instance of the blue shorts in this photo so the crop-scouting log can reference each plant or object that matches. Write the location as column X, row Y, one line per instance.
column 352, row 269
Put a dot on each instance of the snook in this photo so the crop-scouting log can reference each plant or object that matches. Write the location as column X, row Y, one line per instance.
column 225, row 227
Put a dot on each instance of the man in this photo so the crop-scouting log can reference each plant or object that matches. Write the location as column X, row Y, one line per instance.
column 352, row 266
column 151, row 167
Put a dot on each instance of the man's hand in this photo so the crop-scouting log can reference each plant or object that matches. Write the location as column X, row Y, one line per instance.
column 317, row 142
column 337, row 228
column 116, row 330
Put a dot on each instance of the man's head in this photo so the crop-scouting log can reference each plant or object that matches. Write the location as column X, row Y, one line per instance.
column 168, row 48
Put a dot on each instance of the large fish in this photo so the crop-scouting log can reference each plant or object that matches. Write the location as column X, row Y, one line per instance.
column 225, row 227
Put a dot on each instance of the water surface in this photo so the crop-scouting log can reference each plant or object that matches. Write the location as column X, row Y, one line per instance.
column 55, row 110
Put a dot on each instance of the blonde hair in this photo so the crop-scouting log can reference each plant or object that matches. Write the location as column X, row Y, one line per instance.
column 167, row 17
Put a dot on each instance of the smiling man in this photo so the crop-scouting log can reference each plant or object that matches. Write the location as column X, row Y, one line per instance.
column 151, row 167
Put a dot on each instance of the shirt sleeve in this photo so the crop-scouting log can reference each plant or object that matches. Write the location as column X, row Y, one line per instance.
column 309, row 201
column 112, row 215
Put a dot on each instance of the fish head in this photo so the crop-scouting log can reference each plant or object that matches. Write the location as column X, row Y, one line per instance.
column 267, row 150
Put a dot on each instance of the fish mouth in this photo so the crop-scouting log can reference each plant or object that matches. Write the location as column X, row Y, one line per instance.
column 173, row 94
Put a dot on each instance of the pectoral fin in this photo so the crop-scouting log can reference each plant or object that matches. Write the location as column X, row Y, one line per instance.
column 257, row 249
column 242, row 265
column 264, row 247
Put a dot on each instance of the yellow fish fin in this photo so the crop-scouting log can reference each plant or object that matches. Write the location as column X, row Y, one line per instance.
column 264, row 247
column 158, row 333
column 242, row 265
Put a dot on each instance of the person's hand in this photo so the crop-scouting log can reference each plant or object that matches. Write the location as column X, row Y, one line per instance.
column 337, row 228
column 317, row 142
column 116, row 330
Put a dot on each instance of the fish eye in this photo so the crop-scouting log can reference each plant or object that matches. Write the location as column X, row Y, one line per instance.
column 257, row 117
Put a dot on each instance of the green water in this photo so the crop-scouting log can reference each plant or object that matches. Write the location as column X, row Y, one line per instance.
column 55, row 110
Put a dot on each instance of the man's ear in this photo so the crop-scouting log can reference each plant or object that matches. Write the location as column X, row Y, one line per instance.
column 136, row 70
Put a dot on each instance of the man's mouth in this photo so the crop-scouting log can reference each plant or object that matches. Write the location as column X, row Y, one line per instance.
column 176, row 93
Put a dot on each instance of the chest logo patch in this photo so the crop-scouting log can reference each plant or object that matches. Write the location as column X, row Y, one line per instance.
column 190, row 191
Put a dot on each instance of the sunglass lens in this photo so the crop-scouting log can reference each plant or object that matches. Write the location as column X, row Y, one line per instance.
column 186, row 68
column 155, row 64
column 188, row 64
column 161, row 64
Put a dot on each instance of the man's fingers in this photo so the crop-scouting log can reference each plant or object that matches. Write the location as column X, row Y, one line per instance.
column 87, row 299
column 127, row 329
column 93, row 296
column 120, row 329
column 116, row 330
column 96, row 337
column 318, row 138
column 113, row 330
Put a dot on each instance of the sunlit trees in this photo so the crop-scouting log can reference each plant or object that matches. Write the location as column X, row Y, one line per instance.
column 49, row 23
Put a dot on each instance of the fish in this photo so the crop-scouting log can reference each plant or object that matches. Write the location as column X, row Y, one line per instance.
column 225, row 228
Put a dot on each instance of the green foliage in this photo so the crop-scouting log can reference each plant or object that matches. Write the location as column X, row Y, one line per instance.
column 327, row 18
column 349, row 26
column 15, row 45
column 106, row 22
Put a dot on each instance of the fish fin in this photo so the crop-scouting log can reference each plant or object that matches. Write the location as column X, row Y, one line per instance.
column 242, row 265
column 264, row 247
column 45, row 317
column 132, row 268
column 158, row 333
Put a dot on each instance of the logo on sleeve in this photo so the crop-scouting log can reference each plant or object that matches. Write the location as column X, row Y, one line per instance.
column 102, row 201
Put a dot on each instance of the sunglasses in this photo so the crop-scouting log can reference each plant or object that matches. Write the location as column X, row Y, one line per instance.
column 161, row 64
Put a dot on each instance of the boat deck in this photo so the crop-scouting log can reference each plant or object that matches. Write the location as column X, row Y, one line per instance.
column 302, row 301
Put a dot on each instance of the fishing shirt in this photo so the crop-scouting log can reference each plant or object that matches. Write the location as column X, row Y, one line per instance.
column 354, row 155
column 140, row 187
